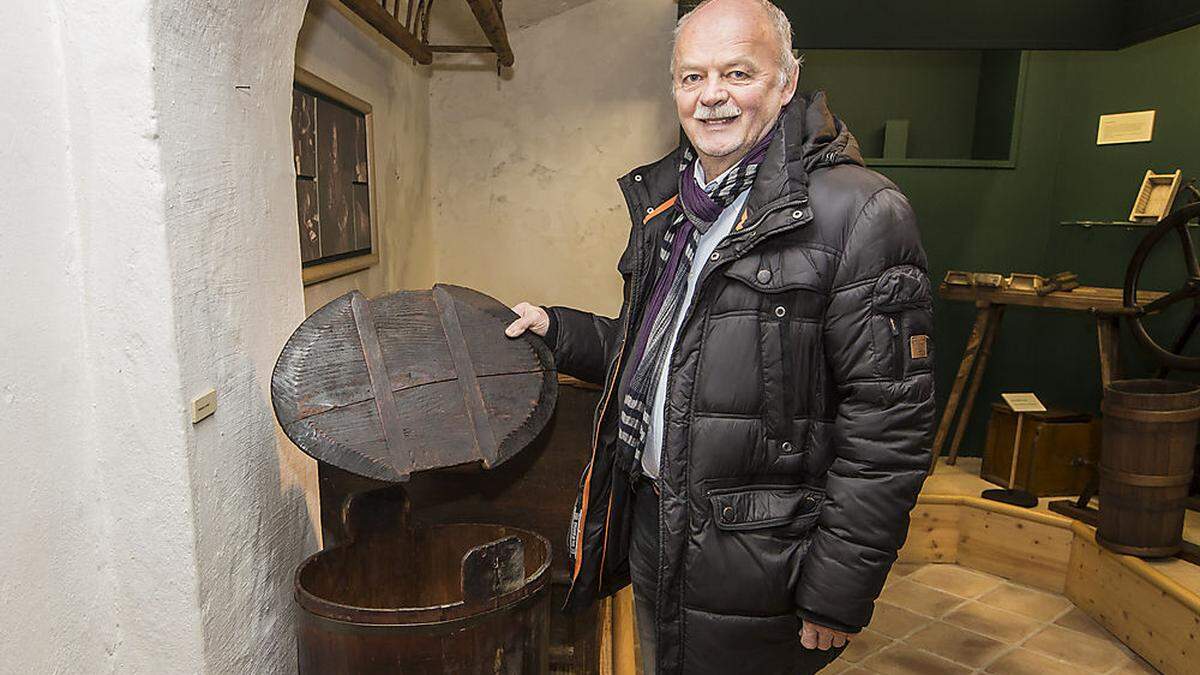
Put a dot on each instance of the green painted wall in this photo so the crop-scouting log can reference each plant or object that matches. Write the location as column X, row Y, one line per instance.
column 959, row 103
column 1005, row 220
column 935, row 90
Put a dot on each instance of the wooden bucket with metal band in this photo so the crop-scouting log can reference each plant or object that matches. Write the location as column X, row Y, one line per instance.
column 1146, row 465
column 385, row 390
column 402, row 597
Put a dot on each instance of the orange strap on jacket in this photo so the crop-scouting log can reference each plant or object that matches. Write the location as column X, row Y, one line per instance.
column 661, row 207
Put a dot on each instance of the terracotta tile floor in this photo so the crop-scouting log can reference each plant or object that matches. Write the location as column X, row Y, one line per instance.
column 934, row 619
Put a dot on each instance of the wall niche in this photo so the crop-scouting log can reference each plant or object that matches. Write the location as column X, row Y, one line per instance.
column 950, row 108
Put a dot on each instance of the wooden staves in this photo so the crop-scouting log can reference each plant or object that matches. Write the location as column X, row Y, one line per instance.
column 412, row 381
column 401, row 597
column 1149, row 441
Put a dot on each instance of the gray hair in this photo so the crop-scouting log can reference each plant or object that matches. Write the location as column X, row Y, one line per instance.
column 779, row 24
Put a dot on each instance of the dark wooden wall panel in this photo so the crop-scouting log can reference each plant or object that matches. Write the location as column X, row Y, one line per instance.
column 362, row 216
column 310, row 219
column 336, row 128
column 304, row 128
column 333, row 198
column 360, row 150
column 952, row 24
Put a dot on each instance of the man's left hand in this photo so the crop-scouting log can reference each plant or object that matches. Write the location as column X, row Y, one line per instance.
column 813, row 636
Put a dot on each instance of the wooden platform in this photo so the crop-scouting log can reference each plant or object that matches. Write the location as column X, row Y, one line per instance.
column 1154, row 607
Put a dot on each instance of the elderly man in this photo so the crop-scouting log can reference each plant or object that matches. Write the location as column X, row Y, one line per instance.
column 764, row 424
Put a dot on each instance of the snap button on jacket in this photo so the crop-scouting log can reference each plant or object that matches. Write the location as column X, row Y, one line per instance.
column 798, row 419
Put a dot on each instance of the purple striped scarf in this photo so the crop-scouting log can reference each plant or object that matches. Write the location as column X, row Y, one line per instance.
column 695, row 211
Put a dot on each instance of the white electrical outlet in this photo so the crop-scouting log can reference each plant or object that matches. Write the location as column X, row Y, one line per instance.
column 204, row 405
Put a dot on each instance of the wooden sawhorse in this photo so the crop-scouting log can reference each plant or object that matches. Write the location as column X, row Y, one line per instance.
column 1104, row 304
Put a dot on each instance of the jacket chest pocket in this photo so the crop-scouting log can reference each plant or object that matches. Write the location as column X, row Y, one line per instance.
column 777, row 342
column 901, row 322
column 785, row 343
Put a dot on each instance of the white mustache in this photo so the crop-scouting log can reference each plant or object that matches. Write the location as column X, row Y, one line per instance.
column 727, row 109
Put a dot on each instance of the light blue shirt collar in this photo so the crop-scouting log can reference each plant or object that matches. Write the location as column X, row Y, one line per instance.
column 699, row 174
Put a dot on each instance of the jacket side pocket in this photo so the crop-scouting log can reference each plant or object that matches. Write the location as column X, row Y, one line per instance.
column 902, row 322
column 785, row 509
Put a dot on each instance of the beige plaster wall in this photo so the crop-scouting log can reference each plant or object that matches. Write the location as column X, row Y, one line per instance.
column 341, row 49
column 525, row 203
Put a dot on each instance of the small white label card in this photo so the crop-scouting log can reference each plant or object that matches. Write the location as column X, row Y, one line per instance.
column 1131, row 127
column 1023, row 403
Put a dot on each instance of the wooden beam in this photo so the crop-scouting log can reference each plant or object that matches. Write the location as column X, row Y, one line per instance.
column 461, row 49
column 985, row 353
column 979, row 331
column 488, row 15
column 387, row 25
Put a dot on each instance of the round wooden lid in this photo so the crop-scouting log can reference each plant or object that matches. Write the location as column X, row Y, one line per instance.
column 412, row 381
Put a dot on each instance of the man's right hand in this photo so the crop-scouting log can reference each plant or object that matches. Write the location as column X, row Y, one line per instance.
column 531, row 317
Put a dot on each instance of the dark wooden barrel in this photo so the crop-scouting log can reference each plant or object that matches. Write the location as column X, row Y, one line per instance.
column 404, row 598
column 1146, row 463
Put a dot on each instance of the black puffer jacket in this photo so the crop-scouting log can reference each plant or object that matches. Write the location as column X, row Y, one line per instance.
column 799, row 407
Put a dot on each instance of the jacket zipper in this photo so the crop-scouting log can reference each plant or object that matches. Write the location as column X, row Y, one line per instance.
column 688, row 313
column 897, row 354
column 597, row 417
column 611, row 378
column 602, row 407
column 610, row 382
column 786, row 377
column 662, row 453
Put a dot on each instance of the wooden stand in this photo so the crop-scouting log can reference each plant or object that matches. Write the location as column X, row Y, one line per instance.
column 1012, row 496
column 1012, row 474
column 1104, row 304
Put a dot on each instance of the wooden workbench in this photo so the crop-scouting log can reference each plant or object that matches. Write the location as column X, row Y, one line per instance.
column 1104, row 304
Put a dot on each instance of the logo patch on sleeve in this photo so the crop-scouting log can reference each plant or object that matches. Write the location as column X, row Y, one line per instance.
column 918, row 346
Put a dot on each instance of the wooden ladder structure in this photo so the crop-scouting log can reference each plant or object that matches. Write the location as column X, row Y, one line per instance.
column 405, row 23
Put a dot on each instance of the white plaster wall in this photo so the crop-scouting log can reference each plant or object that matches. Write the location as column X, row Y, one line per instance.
column 525, row 201
column 56, row 594
column 98, row 574
column 341, row 49
column 222, row 84
column 151, row 253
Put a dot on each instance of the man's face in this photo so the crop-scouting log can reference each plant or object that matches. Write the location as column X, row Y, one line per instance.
column 727, row 81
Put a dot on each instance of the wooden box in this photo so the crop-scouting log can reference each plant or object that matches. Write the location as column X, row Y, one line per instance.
column 1059, row 450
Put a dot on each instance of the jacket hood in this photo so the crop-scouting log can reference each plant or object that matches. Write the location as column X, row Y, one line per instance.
column 824, row 139
column 810, row 137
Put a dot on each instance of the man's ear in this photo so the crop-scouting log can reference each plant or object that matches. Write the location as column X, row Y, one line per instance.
column 793, row 80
